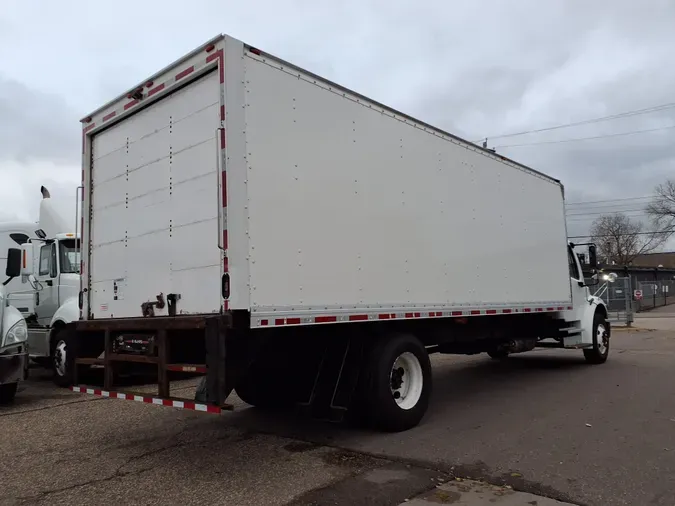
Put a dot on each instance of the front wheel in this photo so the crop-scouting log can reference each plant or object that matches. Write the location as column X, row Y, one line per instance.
column 63, row 358
column 600, row 351
column 399, row 386
column 8, row 392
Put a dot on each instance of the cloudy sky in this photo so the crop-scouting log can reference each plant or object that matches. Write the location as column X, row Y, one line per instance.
column 474, row 67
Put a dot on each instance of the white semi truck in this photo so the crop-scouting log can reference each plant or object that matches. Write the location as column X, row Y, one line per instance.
column 46, row 288
column 302, row 244
column 13, row 354
column 13, row 234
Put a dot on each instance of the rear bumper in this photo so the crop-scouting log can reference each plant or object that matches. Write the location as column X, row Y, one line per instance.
column 150, row 399
column 185, row 343
column 13, row 365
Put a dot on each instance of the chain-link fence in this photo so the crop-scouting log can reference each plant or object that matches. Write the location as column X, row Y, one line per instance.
column 619, row 299
column 651, row 294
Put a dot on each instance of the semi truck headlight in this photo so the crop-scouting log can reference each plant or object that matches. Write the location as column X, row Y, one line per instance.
column 17, row 334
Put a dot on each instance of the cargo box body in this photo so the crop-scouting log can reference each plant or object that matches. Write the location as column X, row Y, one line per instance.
column 233, row 195
column 236, row 181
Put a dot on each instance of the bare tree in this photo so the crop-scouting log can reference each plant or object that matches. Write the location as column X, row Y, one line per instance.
column 662, row 208
column 620, row 239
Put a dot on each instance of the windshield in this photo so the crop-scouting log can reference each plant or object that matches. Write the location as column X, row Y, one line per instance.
column 69, row 256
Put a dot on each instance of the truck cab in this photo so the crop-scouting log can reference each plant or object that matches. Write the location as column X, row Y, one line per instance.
column 13, row 353
column 48, row 267
column 14, row 235
column 51, row 267
column 57, row 274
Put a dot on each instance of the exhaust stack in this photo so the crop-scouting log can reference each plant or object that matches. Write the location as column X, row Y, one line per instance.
column 51, row 221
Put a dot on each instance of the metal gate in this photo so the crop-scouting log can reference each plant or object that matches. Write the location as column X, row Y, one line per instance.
column 654, row 294
column 619, row 299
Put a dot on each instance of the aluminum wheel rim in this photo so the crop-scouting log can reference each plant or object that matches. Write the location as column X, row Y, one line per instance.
column 601, row 337
column 406, row 380
column 60, row 358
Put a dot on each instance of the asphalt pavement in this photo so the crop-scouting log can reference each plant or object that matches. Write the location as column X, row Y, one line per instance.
column 542, row 422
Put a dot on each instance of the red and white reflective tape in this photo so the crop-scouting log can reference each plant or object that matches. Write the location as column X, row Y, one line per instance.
column 135, row 97
column 206, row 408
column 186, row 368
column 455, row 313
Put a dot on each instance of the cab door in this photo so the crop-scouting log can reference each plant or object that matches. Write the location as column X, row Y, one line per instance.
column 47, row 296
column 577, row 283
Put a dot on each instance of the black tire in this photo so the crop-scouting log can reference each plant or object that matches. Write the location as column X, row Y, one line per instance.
column 498, row 354
column 7, row 393
column 69, row 339
column 266, row 383
column 257, row 389
column 252, row 393
column 598, row 353
column 380, row 408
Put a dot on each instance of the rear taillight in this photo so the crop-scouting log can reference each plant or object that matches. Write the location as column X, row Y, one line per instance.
column 226, row 286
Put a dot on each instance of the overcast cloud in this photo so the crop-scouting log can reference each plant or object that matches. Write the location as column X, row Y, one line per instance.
column 475, row 68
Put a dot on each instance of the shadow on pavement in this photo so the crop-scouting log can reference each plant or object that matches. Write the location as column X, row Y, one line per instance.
column 459, row 382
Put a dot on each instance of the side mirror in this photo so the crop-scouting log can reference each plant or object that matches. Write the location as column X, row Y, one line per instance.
column 592, row 257
column 27, row 259
column 13, row 269
column 34, row 283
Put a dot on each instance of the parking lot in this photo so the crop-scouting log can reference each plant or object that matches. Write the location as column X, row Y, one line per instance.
column 543, row 422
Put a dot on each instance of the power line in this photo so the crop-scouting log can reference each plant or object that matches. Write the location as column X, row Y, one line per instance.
column 590, row 219
column 620, row 235
column 626, row 114
column 581, row 212
column 622, row 134
column 608, row 200
column 581, row 219
column 606, row 208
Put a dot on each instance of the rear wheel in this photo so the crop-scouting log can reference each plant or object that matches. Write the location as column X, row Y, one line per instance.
column 398, row 387
column 8, row 392
column 267, row 381
column 262, row 392
column 600, row 351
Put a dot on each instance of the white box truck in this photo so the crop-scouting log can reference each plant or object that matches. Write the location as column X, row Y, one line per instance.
column 303, row 244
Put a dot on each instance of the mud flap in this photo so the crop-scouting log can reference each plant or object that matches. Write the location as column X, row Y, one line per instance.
column 201, row 394
column 214, row 388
